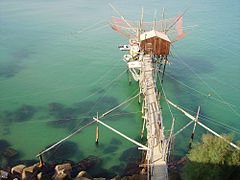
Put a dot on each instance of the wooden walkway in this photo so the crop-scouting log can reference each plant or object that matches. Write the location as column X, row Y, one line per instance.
column 155, row 130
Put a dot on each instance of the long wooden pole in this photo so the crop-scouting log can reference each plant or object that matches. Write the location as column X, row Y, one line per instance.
column 143, row 128
column 164, row 69
column 97, row 131
column 194, row 127
column 162, row 25
column 40, row 160
column 170, row 137
column 141, row 23
column 201, row 124
column 130, row 77
column 121, row 134
column 121, row 16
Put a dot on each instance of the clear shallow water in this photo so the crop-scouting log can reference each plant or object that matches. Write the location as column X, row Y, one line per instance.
column 44, row 61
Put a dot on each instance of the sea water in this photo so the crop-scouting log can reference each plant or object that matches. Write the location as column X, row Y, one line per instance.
column 60, row 65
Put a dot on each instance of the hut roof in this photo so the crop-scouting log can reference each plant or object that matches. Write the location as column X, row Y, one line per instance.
column 154, row 33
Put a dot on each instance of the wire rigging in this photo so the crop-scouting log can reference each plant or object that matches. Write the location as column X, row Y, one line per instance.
column 235, row 112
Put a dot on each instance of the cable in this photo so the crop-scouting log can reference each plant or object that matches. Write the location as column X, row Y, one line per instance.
column 235, row 112
column 165, row 97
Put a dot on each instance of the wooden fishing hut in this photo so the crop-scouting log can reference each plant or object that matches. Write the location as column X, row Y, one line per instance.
column 155, row 43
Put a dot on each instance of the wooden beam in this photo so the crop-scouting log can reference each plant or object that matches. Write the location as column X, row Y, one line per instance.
column 170, row 136
column 201, row 124
column 121, row 16
column 97, row 131
column 121, row 134
column 162, row 25
column 194, row 127
column 164, row 69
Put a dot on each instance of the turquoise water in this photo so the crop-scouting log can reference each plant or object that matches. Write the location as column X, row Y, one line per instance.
column 61, row 59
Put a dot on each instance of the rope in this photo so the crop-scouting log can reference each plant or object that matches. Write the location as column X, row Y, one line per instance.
column 213, row 132
column 233, row 110
column 121, row 134
column 211, row 120
column 88, row 28
column 182, row 129
column 165, row 97
column 204, row 94
column 106, row 113
column 53, row 146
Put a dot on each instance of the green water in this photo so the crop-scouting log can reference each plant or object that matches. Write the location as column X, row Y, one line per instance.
column 50, row 54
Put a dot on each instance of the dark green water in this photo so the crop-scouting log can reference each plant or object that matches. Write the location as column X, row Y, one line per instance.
column 65, row 67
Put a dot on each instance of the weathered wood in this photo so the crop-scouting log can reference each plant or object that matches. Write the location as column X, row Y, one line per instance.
column 164, row 69
column 170, row 137
column 155, row 136
column 97, row 131
column 40, row 160
column 159, row 46
column 194, row 127
column 162, row 25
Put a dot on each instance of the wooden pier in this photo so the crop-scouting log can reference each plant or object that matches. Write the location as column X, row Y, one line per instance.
column 157, row 143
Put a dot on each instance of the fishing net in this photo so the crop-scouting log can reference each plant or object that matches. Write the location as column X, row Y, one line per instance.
column 172, row 27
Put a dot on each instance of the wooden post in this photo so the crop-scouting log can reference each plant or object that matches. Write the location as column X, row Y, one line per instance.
column 170, row 137
column 162, row 25
column 164, row 68
column 160, row 63
column 194, row 127
column 143, row 110
column 141, row 23
column 159, row 97
column 139, row 98
column 40, row 160
column 172, row 150
column 143, row 128
column 97, row 130
column 130, row 77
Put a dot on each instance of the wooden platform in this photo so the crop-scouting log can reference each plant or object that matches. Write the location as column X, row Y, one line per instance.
column 154, row 125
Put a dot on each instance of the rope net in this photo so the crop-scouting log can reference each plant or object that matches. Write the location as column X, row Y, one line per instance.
column 171, row 26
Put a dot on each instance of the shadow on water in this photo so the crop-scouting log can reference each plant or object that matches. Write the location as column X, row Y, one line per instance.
column 62, row 152
column 24, row 113
column 14, row 66
column 200, row 66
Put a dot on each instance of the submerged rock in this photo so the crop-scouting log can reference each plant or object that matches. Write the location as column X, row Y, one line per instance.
column 24, row 113
column 3, row 145
column 116, row 141
column 7, row 117
column 132, row 154
column 65, row 150
column 55, row 108
column 9, row 153
column 132, row 168
column 110, row 149
column 89, row 162
column 135, row 177
column 118, row 169
column 65, row 117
